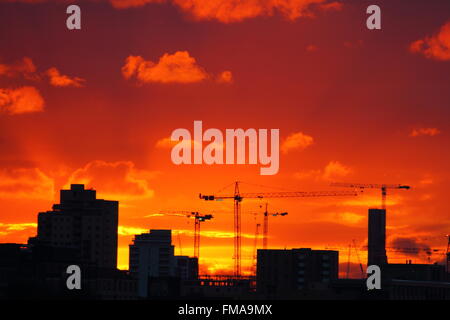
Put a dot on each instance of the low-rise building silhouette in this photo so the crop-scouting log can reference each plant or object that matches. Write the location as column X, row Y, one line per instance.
column 151, row 256
column 416, row 272
column 186, row 267
column 285, row 272
column 153, row 263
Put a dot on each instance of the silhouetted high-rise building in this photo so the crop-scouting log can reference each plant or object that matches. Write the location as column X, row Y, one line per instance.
column 151, row 256
column 377, row 237
column 284, row 272
column 82, row 223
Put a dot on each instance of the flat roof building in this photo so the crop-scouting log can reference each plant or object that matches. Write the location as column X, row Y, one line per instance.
column 284, row 272
column 81, row 222
column 376, row 254
column 151, row 256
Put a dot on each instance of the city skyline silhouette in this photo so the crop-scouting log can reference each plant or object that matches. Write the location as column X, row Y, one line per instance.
column 98, row 106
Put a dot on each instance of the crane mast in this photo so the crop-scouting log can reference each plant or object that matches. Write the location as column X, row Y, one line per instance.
column 255, row 242
column 265, row 228
column 237, row 230
column 199, row 218
column 266, row 224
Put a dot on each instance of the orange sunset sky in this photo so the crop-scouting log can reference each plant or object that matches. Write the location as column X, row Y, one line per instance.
column 98, row 106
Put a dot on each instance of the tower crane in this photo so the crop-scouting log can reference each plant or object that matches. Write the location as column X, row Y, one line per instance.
column 349, row 254
column 382, row 187
column 359, row 259
column 354, row 247
column 255, row 242
column 447, row 254
column 199, row 218
column 266, row 224
column 237, row 198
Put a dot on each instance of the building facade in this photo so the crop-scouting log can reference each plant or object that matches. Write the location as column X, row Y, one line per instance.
column 186, row 268
column 81, row 222
column 376, row 254
column 151, row 256
column 285, row 272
